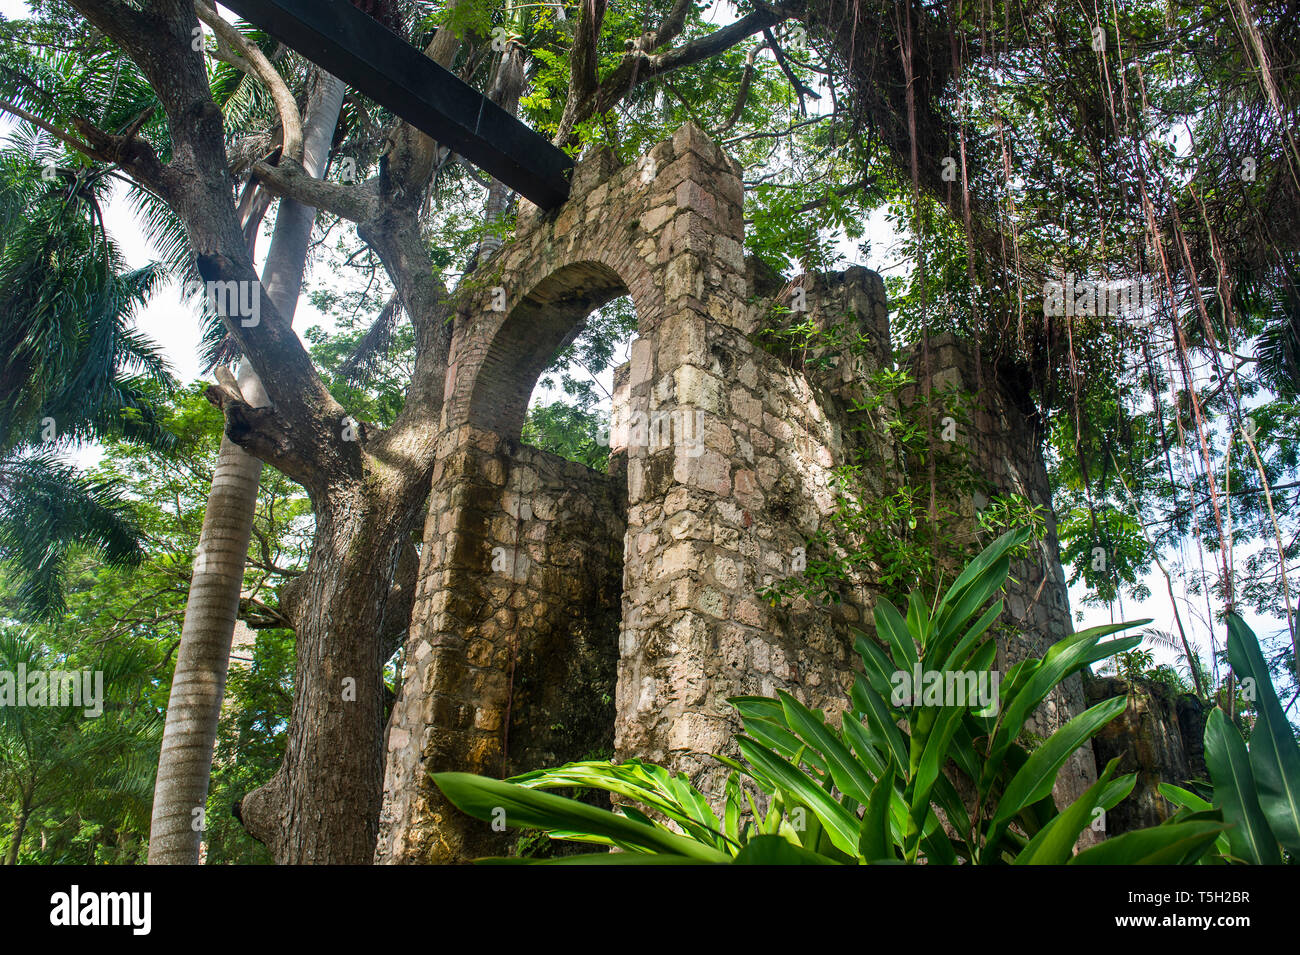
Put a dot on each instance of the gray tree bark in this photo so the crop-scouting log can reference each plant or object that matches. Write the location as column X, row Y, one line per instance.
column 198, row 686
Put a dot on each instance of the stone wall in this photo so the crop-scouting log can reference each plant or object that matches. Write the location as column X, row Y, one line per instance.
column 561, row 611
column 713, row 519
column 1004, row 438
column 1159, row 736
column 512, row 666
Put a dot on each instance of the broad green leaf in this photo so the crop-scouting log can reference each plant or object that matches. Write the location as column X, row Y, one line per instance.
column 1274, row 755
column 936, row 845
column 1234, row 789
column 774, row 734
column 876, row 841
column 891, row 626
column 959, row 653
column 1183, row 798
column 857, row 737
column 1064, row 658
column 919, row 624
column 649, row 785
column 601, row 858
column 964, row 752
column 1055, row 842
column 485, row 799
column 1178, row 844
column 945, row 795
column 731, row 812
column 938, row 746
column 1036, row 778
column 881, row 725
column 773, row 850
column 980, row 565
column 1117, row 791
column 955, row 616
column 844, row 769
column 879, row 669
column 841, row 825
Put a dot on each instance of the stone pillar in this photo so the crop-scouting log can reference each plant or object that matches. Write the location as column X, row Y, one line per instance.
column 1004, row 438
column 1158, row 736
column 726, row 506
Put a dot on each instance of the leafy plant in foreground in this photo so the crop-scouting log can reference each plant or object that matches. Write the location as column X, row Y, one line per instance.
column 1256, row 787
column 872, row 791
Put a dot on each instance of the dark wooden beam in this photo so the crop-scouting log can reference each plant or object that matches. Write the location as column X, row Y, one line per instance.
column 370, row 58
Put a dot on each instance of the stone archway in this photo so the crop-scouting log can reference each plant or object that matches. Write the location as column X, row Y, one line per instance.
column 538, row 569
column 521, row 568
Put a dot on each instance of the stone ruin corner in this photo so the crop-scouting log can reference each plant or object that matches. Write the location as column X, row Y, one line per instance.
column 564, row 613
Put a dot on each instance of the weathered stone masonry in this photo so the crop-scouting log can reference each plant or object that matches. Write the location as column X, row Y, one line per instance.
column 706, row 531
column 1004, row 437
column 563, row 613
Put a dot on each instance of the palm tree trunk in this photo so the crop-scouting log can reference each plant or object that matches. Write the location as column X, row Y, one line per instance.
column 198, row 686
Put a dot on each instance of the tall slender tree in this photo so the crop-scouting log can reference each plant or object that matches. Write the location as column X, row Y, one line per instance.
column 198, row 686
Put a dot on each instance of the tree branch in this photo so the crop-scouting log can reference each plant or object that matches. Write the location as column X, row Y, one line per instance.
column 742, row 95
column 670, row 29
column 639, row 66
column 407, row 445
column 66, row 137
column 128, row 152
column 288, row 179
column 260, row 67
column 799, row 87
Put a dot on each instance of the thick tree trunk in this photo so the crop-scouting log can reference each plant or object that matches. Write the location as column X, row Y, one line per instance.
column 198, row 686
column 322, row 806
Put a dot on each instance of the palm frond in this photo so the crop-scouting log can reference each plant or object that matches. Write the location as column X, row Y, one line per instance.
column 374, row 345
column 47, row 509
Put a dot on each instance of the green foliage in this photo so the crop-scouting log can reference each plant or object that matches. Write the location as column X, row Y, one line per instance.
column 877, row 789
column 128, row 621
column 576, row 427
column 1256, row 787
column 250, row 744
column 1134, row 664
column 68, row 352
column 800, row 222
column 1045, row 157
column 569, row 432
column 71, row 369
column 1146, row 159
column 84, row 783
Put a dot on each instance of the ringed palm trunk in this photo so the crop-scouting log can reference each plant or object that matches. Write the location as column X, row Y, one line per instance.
column 198, row 686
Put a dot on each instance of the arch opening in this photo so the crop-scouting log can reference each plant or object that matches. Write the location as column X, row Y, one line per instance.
column 563, row 603
column 571, row 407
column 546, row 320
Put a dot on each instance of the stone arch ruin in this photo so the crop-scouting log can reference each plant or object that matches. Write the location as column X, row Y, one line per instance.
column 564, row 613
